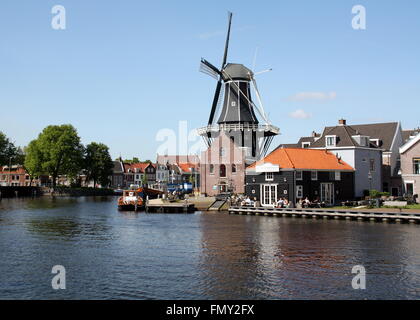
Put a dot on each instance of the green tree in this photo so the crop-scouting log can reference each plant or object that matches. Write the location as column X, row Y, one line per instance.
column 98, row 163
column 33, row 160
column 59, row 151
column 9, row 152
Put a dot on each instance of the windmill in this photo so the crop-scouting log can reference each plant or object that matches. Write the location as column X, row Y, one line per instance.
column 233, row 105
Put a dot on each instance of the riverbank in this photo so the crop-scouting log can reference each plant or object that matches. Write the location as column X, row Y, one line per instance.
column 77, row 192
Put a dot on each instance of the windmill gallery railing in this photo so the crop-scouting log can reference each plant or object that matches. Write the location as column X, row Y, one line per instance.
column 238, row 127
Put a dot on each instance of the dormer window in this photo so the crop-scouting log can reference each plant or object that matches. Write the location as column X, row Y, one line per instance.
column 376, row 142
column 233, row 103
column 306, row 145
column 363, row 141
column 330, row 141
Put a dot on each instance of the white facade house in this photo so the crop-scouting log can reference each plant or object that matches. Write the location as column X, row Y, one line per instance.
column 358, row 151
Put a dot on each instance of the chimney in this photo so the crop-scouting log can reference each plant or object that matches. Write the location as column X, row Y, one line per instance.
column 342, row 122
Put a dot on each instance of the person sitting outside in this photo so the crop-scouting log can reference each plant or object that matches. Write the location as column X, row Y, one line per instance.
column 306, row 203
column 280, row 203
column 248, row 201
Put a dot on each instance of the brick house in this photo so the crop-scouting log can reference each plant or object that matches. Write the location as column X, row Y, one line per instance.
column 222, row 167
column 296, row 173
column 410, row 166
column 16, row 176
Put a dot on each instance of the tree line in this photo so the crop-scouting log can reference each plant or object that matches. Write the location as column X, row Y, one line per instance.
column 58, row 151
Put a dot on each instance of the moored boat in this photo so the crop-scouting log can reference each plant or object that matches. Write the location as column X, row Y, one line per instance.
column 131, row 200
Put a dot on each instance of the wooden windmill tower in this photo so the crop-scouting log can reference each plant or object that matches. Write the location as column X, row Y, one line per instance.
column 235, row 109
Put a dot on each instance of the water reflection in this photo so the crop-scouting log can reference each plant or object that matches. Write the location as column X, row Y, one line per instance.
column 111, row 254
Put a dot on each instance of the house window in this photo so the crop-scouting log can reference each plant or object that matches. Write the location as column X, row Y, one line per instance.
column 372, row 165
column 376, row 142
column 306, row 145
column 409, row 187
column 331, row 141
column 233, row 168
column 299, row 192
column 222, row 152
column 212, row 169
column 337, row 176
column 269, row 176
column 299, row 175
column 416, row 166
column 222, row 170
column 314, row 175
column 233, row 103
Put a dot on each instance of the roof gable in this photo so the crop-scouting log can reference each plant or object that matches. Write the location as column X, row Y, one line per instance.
column 411, row 143
column 304, row 159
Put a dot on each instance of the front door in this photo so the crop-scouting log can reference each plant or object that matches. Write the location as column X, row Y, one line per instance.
column 327, row 193
column 410, row 189
column 269, row 194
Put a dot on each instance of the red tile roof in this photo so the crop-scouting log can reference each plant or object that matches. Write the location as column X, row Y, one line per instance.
column 305, row 159
column 140, row 166
column 19, row 170
column 186, row 167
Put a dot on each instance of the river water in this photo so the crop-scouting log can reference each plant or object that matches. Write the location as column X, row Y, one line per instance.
column 112, row 255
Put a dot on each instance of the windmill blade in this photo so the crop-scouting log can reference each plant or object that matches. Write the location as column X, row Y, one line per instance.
column 209, row 69
column 227, row 40
column 215, row 101
column 261, row 108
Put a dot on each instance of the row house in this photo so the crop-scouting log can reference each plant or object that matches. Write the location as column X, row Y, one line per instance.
column 296, row 174
column 410, row 167
column 386, row 137
column 177, row 170
column 126, row 174
column 18, row 177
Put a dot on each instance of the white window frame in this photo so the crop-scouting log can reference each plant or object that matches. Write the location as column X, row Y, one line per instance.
column 306, row 145
column 312, row 176
column 299, row 189
column 337, row 176
column 269, row 176
column 329, row 137
column 301, row 175
column 372, row 165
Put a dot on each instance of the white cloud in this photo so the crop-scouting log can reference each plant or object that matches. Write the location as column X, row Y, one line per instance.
column 300, row 114
column 314, row 96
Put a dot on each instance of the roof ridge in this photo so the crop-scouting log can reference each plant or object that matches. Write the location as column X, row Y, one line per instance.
column 351, row 138
column 288, row 157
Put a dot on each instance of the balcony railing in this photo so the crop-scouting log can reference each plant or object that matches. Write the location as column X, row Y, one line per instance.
column 239, row 127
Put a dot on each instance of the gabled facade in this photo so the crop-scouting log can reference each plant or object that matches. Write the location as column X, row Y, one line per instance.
column 410, row 167
column 358, row 150
column 296, row 173
column 117, row 177
column 15, row 176
column 222, row 167
column 387, row 137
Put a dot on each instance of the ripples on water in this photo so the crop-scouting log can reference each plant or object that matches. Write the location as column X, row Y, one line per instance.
column 113, row 255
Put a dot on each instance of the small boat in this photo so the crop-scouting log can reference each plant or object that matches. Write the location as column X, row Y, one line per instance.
column 131, row 200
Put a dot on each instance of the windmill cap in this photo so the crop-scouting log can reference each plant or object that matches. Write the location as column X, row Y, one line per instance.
column 235, row 71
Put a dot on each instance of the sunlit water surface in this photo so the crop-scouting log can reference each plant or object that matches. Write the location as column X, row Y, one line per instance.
column 112, row 255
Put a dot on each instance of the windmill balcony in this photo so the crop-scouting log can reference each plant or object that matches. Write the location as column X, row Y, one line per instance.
column 267, row 128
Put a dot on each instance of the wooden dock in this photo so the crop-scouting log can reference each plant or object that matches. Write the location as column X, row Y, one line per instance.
column 159, row 206
column 388, row 217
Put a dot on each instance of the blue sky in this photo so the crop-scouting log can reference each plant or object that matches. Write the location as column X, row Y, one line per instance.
column 123, row 70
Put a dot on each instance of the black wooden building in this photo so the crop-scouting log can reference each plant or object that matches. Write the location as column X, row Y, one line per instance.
column 298, row 174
